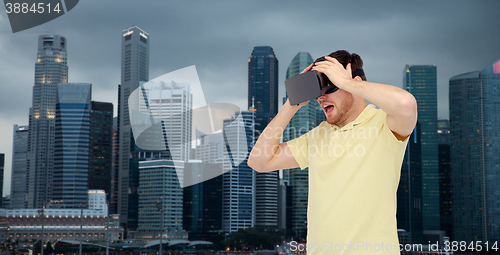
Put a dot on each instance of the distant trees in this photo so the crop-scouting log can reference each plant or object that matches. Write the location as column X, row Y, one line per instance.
column 256, row 238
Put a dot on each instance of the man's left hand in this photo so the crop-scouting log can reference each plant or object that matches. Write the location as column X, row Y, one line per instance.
column 335, row 71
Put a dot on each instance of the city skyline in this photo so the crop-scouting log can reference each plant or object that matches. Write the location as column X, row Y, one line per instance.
column 456, row 38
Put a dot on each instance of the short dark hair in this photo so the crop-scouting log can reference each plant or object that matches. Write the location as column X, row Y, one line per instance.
column 344, row 57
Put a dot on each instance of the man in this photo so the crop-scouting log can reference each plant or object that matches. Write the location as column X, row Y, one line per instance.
column 354, row 159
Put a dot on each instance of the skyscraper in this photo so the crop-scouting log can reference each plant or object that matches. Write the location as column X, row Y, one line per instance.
column 18, row 186
column 420, row 81
column 302, row 122
column 134, row 68
column 263, row 85
column 474, row 147
column 169, row 105
column 210, row 149
column 409, row 194
column 71, row 153
column 239, row 194
column 50, row 69
column 263, row 97
column 2, row 161
column 202, row 204
column 160, row 193
column 170, row 102
column 113, row 204
column 445, row 194
column 100, row 148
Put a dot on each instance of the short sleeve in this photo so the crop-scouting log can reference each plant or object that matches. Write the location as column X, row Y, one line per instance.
column 390, row 139
column 299, row 149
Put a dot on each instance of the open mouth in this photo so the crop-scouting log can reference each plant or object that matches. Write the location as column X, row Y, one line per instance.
column 328, row 108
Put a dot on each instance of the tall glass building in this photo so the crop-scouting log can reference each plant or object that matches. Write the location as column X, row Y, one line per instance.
column 202, row 213
column 113, row 203
column 71, row 153
column 18, row 186
column 134, row 69
column 263, row 85
column 50, row 69
column 238, row 181
column 101, row 147
column 421, row 82
column 263, row 97
column 160, row 193
column 409, row 209
column 170, row 104
column 445, row 194
column 302, row 122
column 474, row 147
column 2, row 161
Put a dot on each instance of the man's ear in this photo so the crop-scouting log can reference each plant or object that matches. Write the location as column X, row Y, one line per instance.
column 358, row 78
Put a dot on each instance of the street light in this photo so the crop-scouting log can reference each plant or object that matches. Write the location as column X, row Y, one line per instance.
column 81, row 228
column 42, row 213
column 159, row 205
column 107, row 228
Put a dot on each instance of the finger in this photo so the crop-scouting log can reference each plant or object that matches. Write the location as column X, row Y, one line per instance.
column 348, row 68
column 307, row 68
column 323, row 64
column 334, row 60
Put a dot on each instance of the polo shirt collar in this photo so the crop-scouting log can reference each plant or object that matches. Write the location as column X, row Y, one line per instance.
column 366, row 114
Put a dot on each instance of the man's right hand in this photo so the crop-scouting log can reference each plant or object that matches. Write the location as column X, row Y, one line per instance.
column 268, row 154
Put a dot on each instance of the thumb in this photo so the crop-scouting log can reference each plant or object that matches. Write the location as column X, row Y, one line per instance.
column 348, row 68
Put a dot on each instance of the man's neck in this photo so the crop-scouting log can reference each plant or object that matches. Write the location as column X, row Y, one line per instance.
column 353, row 113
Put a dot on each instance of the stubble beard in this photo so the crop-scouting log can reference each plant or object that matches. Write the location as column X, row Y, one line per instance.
column 341, row 111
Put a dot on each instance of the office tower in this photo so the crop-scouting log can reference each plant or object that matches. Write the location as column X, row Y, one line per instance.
column 474, row 147
column 160, row 193
column 100, row 149
column 445, row 194
column 285, row 209
column 263, row 85
column 202, row 211
column 18, row 186
column 211, row 148
column 263, row 97
column 239, row 192
column 113, row 204
column 169, row 105
column 302, row 122
column 134, row 68
column 172, row 103
column 71, row 153
column 2, row 161
column 409, row 210
column 98, row 201
column 6, row 203
column 420, row 81
column 50, row 69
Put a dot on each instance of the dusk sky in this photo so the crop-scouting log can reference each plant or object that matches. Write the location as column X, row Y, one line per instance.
column 218, row 37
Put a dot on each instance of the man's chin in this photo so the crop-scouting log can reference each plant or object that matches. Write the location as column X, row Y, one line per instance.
column 332, row 120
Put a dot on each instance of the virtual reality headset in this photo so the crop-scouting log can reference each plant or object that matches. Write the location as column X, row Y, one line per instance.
column 311, row 85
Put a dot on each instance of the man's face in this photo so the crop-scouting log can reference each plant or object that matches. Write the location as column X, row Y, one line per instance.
column 336, row 106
